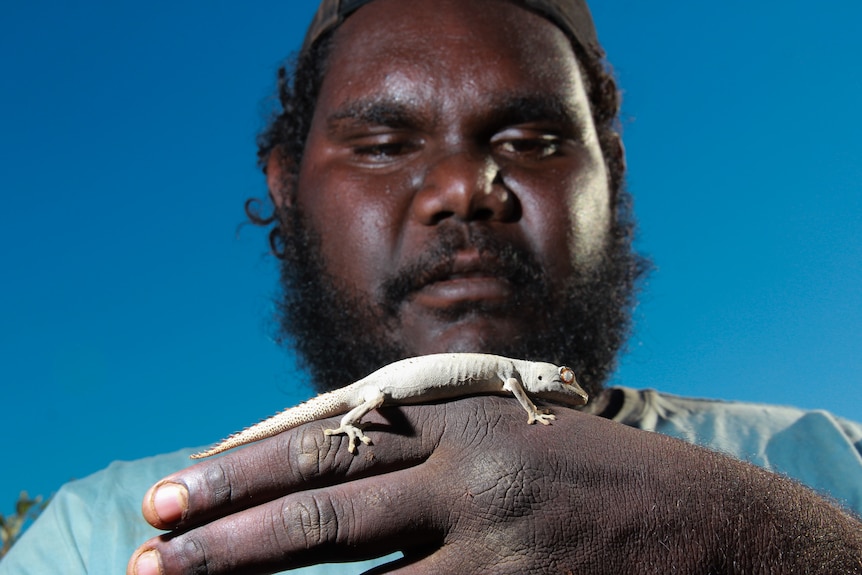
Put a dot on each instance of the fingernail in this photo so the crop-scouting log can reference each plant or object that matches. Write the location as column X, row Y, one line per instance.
column 148, row 563
column 170, row 502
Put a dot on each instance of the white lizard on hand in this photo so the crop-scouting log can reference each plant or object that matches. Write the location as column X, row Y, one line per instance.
column 419, row 380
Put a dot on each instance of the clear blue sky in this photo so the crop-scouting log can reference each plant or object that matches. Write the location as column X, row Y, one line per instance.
column 135, row 313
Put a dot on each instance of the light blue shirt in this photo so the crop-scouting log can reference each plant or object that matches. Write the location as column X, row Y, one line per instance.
column 93, row 525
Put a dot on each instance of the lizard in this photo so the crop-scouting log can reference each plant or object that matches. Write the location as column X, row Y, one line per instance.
column 421, row 379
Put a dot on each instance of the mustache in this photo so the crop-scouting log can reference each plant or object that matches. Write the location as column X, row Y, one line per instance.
column 498, row 258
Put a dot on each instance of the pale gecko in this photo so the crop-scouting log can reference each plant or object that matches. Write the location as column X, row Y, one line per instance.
column 420, row 380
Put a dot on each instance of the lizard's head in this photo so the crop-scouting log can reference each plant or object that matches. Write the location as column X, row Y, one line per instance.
column 557, row 384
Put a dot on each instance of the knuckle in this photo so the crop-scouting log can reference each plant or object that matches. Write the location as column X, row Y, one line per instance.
column 217, row 482
column 311, row 522
column 186, row 554
column 303, row 451
column 227, row 481
column 311, row 453
column 195, row 556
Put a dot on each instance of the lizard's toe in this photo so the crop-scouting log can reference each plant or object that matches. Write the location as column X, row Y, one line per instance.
column 545, row 418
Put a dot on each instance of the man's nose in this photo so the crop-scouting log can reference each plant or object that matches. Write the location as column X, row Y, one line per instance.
column 465, row 186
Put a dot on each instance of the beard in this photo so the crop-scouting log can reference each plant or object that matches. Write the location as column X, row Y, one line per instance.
column 341, row 337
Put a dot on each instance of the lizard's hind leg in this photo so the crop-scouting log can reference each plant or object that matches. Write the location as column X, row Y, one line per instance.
column 350, row 422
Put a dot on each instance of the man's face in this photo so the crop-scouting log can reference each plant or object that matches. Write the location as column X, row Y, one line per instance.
column 452, row 196
column 449, row 136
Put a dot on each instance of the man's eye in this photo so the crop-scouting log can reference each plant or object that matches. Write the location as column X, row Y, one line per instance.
column 383, row 151
column 535, row 148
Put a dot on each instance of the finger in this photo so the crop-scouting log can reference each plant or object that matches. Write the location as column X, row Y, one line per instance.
column 301, row 458
column 362, row 519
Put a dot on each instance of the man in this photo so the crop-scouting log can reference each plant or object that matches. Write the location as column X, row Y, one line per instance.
column 446, row 177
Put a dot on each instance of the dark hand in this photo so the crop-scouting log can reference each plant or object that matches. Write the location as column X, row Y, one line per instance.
column 468, row 486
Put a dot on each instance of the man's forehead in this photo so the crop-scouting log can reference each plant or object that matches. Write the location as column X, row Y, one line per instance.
column 571, row 16
column 409, row 76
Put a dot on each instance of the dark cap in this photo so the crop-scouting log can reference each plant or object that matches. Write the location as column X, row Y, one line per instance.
column 571, row 16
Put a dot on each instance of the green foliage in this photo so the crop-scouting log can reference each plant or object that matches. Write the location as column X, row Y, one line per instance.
column 11, row 527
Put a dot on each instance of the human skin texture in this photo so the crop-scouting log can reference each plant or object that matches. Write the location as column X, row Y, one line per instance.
column 415, row 130
column 416, row 136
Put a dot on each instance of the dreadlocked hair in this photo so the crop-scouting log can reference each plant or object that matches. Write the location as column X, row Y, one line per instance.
column 298, row 87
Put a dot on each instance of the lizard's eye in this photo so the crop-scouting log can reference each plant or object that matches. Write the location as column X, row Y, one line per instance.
column 567, row 375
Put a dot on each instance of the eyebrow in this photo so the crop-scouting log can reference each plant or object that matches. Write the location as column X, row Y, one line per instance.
column 377, row 111
column 504, row 110
column 516, row 109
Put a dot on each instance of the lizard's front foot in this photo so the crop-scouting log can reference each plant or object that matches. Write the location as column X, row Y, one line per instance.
column 544, row 418
column 353, row 433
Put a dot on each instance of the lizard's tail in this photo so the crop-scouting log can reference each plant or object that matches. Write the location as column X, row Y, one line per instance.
column 319, row 407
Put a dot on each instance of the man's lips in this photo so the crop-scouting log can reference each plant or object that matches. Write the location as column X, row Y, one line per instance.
column 463, row 289
column 465, row 278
